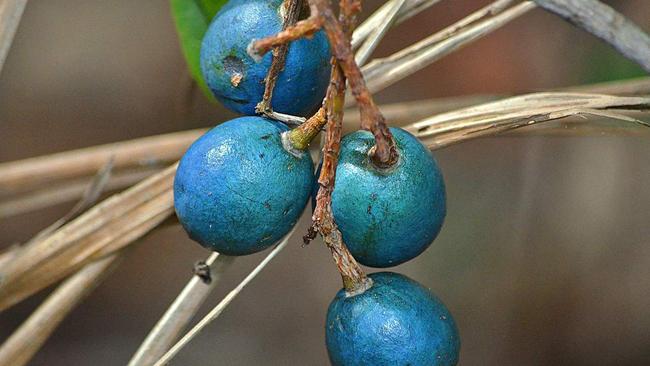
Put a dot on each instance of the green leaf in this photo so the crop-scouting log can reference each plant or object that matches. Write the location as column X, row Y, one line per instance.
column 192, row 18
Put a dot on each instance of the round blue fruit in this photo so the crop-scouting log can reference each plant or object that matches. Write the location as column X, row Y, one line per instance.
column 395, row 322
column 238, row 81
column 388, row 217
column 237, row 190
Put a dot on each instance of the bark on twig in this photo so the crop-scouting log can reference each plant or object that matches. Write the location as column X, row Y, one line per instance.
column 605, row 23
column 291, row 13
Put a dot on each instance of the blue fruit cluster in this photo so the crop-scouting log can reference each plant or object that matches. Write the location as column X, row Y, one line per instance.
column 238, row 190
column 238, row 81
column 395, row 322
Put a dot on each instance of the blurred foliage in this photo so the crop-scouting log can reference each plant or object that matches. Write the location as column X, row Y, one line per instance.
column 603, row 63
column 192, row 18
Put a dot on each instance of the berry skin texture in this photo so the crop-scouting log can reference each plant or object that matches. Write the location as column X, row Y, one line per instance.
column 238, row 81
column 388, row 217
column 237, row 190
column 395, row 322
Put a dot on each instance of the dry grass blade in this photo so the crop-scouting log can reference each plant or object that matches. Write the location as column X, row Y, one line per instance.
column 217, row 310
column 124, row 218
column 410, row 9
column 18, row 349
column 378, row 34
column 156, row 151
column 89, row 197
column 107, row 227
column 180, row 313
column 605, row 23
column 496, row 117
column 46, row 186
column 65, row 191
column 381, row 73
column 10, row 13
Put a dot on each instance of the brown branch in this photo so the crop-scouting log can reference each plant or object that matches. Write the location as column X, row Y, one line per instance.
column 384, row 153
column 303, row 28
column 354, row 278
column 291, row 13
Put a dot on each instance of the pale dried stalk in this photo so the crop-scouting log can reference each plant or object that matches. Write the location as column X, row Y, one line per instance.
column 68, row 190
column 155, row 151
column 496, row 117
column 367, row 48
column 77, row 168
column 180, row 313
column 10, row 13
column 605, row 23
column 107, row 227
column 382, row 73
column 21, row 346
column 123, row 218
column 410, row 9
column 217, row 310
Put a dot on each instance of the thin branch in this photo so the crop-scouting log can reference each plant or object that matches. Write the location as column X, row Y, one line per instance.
column 605, row 23
column 10, row 13
column 291, row 12
column 156, row 151
column 217, row 310
column 68, row 190
column 180, row 313
column 382, row 73
column 21, row 346
column 75, row 168
column 410, row 9
column 366, row 49
column 512, row 113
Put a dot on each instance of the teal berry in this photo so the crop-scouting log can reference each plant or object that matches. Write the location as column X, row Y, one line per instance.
column 237, row 80
column 387, row 217
column 395, row 322
column 237, row 190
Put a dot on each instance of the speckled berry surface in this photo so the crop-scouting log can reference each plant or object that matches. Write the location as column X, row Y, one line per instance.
column 388, row 217
column 238, row 81
column 237, row 190
column 396, row 322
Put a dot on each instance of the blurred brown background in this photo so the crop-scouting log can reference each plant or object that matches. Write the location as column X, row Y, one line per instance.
column 544, row 258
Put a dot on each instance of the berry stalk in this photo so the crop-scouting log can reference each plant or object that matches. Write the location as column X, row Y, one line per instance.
column 385, row 153
column 291, row 13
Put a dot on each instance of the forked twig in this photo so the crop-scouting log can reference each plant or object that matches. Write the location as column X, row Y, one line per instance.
column 605, row 23
column 180, row 313
column 217, row 310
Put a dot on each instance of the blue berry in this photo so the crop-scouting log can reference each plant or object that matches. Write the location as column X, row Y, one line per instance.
column 395, row 322
column 237, row 190
column 238, row 81
column 387, row 217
